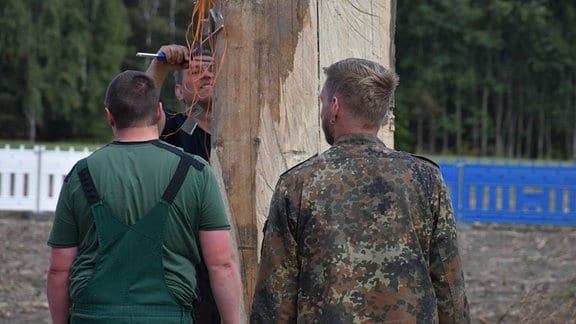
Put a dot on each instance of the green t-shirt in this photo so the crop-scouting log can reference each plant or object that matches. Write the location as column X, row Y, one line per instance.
column 131, row 178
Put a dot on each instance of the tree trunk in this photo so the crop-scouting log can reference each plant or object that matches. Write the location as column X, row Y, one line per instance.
column 475, row 138
column 419, row 134
column 172, row 17
column 528, row 137
column 458, row 121
column 149, row 10
column 32, row 100
column 266, row 111
column 484, row 122
column 445, row 128
column 499, row 103
column 510, row 122
column 520, row 132
column 431, row 136
column 541, row 131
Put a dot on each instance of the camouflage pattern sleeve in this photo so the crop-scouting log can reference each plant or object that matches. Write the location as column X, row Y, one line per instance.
column 445, row 266
column 276, row 285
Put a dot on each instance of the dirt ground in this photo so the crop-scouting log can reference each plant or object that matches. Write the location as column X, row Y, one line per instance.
column 514, row 273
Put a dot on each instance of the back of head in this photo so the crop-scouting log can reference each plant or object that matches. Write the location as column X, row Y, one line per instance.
column 365, row 87
column 132, row 99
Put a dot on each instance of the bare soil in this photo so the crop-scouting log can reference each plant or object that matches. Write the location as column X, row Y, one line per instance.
column 514, row 273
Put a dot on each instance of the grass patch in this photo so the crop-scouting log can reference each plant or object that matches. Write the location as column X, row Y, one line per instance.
column 569, row 292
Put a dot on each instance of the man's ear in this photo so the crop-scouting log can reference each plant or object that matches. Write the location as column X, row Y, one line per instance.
column 159, row 110
column 110, row 117
column 336, row 107
column 161, row 118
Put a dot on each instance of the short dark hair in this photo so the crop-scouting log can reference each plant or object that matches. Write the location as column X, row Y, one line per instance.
column 365, row 87
column 132, row 99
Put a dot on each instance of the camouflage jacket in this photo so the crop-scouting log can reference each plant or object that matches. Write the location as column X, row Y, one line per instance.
column 360, row 234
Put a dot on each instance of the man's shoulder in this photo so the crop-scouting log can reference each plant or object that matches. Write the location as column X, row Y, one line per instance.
column 425, row 159
column 300, row 166
column 191, row 159
column 413, row 158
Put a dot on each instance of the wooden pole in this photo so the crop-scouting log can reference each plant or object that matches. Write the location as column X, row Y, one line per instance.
column 266, row 112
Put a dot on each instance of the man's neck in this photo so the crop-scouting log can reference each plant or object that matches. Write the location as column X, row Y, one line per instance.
column 136, row 134
column 201, row 115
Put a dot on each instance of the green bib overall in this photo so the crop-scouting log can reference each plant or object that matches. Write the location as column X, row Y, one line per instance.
column 128, row 283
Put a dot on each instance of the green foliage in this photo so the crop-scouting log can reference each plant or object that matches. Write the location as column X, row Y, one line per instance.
column 58, row 56
column 477, row 78
column 508, row 64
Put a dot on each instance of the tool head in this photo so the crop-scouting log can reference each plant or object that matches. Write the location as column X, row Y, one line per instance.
column 217, row 19
column 217, row 25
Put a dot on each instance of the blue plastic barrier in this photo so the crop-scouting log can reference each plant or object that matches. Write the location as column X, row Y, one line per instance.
column 526, row 194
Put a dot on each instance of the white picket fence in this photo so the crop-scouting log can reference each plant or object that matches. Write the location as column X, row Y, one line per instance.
column 31, row 178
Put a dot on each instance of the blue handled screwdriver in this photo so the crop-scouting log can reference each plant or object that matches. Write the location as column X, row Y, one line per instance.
column 159, row 56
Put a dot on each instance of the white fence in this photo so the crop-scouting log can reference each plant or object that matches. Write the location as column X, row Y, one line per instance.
column 30, row 179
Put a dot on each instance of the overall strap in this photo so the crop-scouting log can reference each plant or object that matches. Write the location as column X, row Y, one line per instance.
column 178, row 178
column 87, row 184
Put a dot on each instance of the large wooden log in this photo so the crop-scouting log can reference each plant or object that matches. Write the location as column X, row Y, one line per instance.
column 266, row 115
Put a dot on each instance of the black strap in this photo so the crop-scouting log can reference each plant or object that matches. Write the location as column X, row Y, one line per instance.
column 169, row 194
column 178, row 151
column 87, row 184
column 178, row 178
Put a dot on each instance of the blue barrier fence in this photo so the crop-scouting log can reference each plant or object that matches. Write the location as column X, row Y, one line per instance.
column 504, row 193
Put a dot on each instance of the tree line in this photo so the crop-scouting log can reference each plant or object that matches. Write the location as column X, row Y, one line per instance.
column 479, row 78
column 58, row 56
column 487, row 78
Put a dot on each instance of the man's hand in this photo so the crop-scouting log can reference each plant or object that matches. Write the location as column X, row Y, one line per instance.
column 176, row 59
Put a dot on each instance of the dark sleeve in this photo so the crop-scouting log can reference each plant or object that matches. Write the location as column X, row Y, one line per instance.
column 213, row 215
column 64, row 232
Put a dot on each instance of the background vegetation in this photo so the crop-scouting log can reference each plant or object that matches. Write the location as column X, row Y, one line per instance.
column 487, row 78
column 58, row 56
column 478, row 78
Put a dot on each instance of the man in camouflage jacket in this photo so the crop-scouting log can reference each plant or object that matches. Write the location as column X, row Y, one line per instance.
column 360, row 233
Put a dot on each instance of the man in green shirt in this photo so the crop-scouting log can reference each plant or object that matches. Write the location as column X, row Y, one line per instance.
column 127, row 222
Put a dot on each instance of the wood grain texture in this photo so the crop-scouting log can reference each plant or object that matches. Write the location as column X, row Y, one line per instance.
column 266, row 109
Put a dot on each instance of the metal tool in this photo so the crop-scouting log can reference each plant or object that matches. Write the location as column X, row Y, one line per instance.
column 218, row 22
column 160, row 56
column 218, row 25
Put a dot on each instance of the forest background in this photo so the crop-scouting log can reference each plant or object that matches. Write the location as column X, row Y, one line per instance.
column 494, row 78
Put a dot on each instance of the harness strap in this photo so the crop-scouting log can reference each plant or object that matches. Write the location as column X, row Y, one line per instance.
column 169, row 194
column 177, row 178
column 87, row 184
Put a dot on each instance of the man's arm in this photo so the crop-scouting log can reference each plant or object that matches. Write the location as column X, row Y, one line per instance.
column 276, row 291
column 58, row 283
column 176, row 59
column 445, row 265
column 222, row 263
